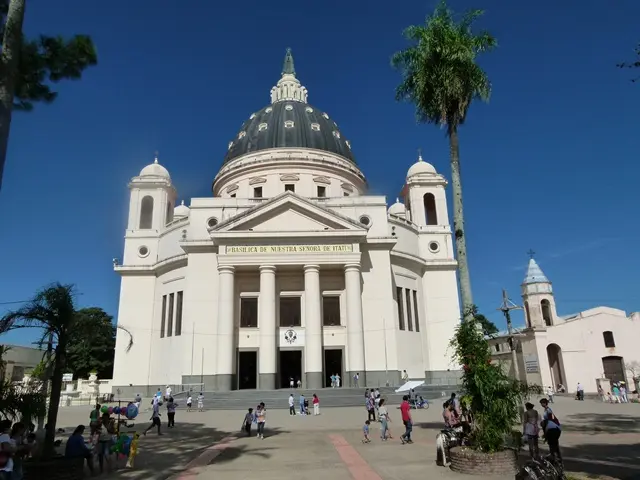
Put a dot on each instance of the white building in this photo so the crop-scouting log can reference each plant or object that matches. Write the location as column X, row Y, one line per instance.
column 593, row 347
column 289, row 269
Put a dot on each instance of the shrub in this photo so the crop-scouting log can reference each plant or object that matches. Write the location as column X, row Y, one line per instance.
column 493, row 398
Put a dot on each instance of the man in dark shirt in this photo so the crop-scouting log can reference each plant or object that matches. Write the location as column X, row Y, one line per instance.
column 76, row 448
column 405, row 409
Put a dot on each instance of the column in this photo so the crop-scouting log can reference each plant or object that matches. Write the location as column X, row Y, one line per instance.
column 226, row 338
column 355, row 333
column 267, row 361
column 313, row 326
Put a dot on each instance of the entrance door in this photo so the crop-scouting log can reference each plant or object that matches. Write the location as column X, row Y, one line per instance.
column 290, row 367
column 332, row 365
column 613, row 368
column 247, row 370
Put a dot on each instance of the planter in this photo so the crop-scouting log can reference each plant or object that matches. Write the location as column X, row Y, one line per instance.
column 473, row 462
column 56, row 468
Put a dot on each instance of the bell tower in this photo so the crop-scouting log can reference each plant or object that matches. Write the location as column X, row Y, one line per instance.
column 537, row 296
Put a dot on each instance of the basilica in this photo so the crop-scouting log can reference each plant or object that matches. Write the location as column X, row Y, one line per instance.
column 289, row 270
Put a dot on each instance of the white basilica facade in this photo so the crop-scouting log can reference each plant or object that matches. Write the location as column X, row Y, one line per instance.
column 289, row 270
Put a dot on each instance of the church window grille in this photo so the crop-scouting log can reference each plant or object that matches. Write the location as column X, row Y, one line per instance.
column 322, row 191
column 431, row 215
column 409, row 316
column 527, row 316
column 163, row 316
column 288, row 124
column 257, row 192
column 315, row 127
column 146, row 212
column 415, row 309
column 331, row 311
column 249, row 312
column 170, row 316
column 609, row 341
column 289, row 187
column 262, row 126
column 546, row 312
column 169, row 218
column 400, row 308
column 290, row 312
column 179, row 299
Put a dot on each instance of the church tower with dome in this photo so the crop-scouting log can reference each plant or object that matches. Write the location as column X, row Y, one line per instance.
column 290, row 270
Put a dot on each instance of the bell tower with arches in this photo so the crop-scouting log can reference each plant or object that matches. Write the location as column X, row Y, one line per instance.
column 425, row 196
column 537, row 296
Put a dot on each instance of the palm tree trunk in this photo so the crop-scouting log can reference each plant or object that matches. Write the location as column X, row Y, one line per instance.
column 54, row 399
column 458, row 223
column 11, row 45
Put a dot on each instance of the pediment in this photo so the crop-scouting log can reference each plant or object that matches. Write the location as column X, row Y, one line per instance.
column 322, row 179
column 289, row 177
column 288, row 213
column 257, row 180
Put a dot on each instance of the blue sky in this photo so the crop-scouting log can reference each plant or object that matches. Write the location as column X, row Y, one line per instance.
column 549, row 163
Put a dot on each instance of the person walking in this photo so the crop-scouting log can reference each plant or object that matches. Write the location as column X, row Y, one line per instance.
column 623, row 393
column 371, row 412
column 261, row 419
column 247, row 421
column 530, row 429
column 551, row 427
column 316, row 405
column 155, row 419
column 550, row 394
column 171, row 413
column 201, row 402
column 356, row 378
column 384, row 420
column 301, row 400
column 405, row 410
column 337, row 380
column 580, row 390
column 292, row 408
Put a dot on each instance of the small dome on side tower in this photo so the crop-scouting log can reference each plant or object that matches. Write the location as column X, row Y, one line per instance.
column 421, row 168
column 155, row 170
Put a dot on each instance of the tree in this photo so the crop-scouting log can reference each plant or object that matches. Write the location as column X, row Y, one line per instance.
column 52, row 309
column 441, row 78
column 633, row 64
column 92, row 345
column 488, row 327
column 27, row 67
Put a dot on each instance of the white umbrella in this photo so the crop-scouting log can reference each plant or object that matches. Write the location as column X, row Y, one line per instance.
column 410, row 385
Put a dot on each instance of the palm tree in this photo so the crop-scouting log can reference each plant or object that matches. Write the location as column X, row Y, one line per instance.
column 441, row 78
column 52, row 309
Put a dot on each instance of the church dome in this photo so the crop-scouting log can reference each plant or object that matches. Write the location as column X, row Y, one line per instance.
column 289, row 122
column 155, row 170
column 397, row 208
column 421, row 167
column 181, row 210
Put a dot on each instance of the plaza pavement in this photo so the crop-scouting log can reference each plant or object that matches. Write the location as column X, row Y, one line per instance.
column 597, row 439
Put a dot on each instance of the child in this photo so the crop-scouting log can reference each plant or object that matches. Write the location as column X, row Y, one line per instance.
column 201, row 402
column 189, row 402
column 248, row 420
column 365, row 432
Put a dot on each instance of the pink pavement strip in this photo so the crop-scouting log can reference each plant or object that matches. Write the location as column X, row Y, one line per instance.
column 204, row 459
column 358, row 467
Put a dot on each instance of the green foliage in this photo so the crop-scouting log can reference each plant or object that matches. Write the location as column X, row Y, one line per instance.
column 21, row 402
column 92, row 344
column 439, row 71
column 47, row 60
column 488, row 327
column 494, row 399
column 633, row 64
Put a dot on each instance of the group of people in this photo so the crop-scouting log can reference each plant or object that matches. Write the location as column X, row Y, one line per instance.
column 549, row 425
column 18, row 441
column 259, row 417
column 618, row 393
column 384, row 419
column 304, row 405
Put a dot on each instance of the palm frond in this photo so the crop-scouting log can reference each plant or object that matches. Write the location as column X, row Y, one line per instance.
column 440, row 75
column 130, row 344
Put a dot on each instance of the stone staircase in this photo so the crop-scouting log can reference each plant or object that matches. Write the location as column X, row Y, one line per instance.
column 329, row 397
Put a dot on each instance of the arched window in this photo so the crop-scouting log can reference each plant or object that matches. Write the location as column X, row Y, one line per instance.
column 527, row 315
column 609, row 341
column 546, row 312
column 430, row 209
column 169, row 213
column 146, row 212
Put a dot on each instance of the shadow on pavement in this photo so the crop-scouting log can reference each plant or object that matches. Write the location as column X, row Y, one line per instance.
column 620, row 461
column 160, row 457
column 595, row 423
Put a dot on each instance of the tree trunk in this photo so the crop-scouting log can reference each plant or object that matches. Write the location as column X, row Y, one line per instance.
column 54, row 399
column 47, row 377
column 458, row 224
column 11, row 45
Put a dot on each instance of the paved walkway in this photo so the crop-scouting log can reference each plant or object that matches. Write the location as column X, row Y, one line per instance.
column 597, row 439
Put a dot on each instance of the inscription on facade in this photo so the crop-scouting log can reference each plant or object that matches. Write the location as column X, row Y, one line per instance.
column 244, row 249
